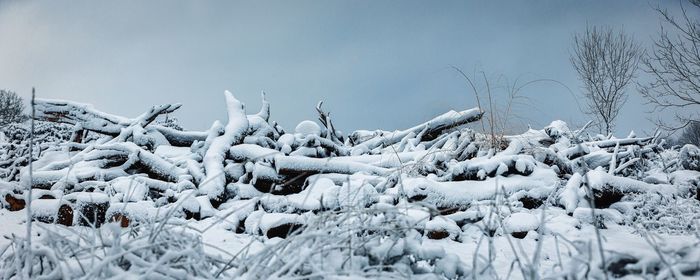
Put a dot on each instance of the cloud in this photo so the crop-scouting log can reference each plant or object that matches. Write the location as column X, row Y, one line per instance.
column 376, row 64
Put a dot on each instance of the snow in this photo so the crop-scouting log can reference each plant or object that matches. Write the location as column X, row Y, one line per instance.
column 685, row 177
column 319, row 192
column 558, row 129
column 327, row 165
column 251, row 152
column 690, row 157
column 308, row 128
column 570, row 195
column 206, row 210
column 247, row 191
column 271, row 220
column 607, row 215
column 461, row 192
column 129, row 189
column 46, row 207
column 520, row 222
column 434, row 200
column 234, row 212
column 87, row 197
column 356, row 194
column 173, row 153
column 445, row 224
column 140, row 211
column 598, row 179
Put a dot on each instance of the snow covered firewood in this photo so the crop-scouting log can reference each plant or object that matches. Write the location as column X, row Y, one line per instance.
column 296, row 164
column 266, row 179
column 441, row 227
column 262, row 141
column 329, row 145
column 53, row 211
column 519, row 224
column 213, row 161
column 89, row 208
column 622, row 142
column 480, row 168
column 377, row 197
column 86, row 117
column 134, row 213
column 432, row 128
column 153, row 165
column 180, row 138
column 14, row 202
column 280, row 224
column 80, row 114
column 558, row 130
column 249, row 152
column 608, row 189
column 569, row 197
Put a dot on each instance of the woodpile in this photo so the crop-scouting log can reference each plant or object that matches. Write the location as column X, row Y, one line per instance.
column 125, row 170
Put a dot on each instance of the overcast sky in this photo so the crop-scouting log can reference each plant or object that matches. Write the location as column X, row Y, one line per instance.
column 377, row 64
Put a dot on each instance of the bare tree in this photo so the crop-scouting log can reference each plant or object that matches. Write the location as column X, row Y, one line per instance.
column 11, row 107
column 606, row 61
column 674, row 65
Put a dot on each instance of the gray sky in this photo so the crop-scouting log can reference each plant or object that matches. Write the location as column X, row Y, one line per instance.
column 377, row 64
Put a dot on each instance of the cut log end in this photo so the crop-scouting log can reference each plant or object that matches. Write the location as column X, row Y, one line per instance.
column 519, row 234
column 607, row 196
column 123, row 220
column 531, row 202
column 93, row 214
column 284, row 230
column 438, row 234
column 14, row 203
column 65, row 215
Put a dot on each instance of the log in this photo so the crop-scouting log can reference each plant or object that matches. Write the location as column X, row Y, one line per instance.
column 85, row 118
column 611, row 143
column 328, row 144
column 121, row 219
column 153, row 165
column 438, row 234
column 52, row 211
column 215, row 181
column 480, row 169
column 284, row 230
column 295, row 164
column 180, row 138
column 15, row 202
column 137, row 159
column 132, row 213
column 266, row 179
column 433, row 129
column 82, row 115
column 606, row 196
column 253, row 153
column 91, row 208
